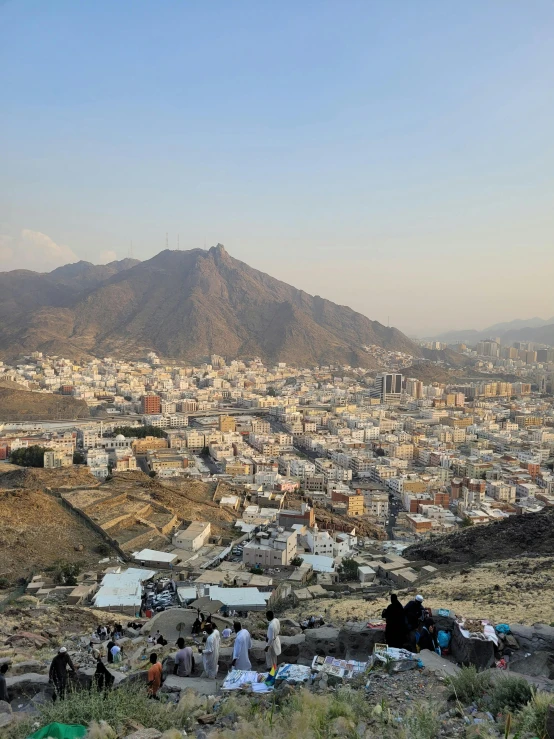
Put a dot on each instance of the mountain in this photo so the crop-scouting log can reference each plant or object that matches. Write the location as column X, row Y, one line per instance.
column 187, row 305
column 86, row 274
column 506, row 329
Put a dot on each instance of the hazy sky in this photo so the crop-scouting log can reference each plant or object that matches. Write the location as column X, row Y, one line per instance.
column 397, row 157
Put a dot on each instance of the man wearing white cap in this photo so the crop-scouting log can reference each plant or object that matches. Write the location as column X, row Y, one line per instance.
column 58, row 672
column 414, row 612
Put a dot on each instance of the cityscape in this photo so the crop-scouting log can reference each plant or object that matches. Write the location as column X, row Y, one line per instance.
column 298, row 484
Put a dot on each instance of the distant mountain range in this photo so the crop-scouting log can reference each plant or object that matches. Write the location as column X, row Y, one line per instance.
column 182, row 304
column 536, row 329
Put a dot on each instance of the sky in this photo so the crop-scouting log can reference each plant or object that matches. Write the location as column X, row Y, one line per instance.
column 397, row 157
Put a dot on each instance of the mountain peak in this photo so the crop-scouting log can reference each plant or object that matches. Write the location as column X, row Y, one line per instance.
column 188, row 305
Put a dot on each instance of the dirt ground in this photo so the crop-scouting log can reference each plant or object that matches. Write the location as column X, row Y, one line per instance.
column 510, row 591
column 38, row 531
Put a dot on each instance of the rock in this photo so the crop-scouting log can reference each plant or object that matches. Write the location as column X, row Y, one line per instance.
column 6, row 719
column 175, row 684
column 28, row 685
column 36, row 639
column 145, row 734
column 5, row 707
column 534, row 638
column 322, row 641
column 291, row 648
column 5, row 661
column 438, row 665
column 538, row 664
column 356, row 641
column 130, row 633
column 21, row 668
column 511, row 641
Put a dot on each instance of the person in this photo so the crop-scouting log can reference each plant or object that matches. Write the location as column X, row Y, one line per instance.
column 209, row 619
column 210, row 653
column 184, row 660
column 109, row 646
column 427, row 636
column 99, row 632
column 395, row 631
column 116, row 653
column 102, row 676
column 196, row 627
column 3, row 684
column 226, row 633
column 414, row 612
column 243, row 642
column 154, row 677
column 311, row 622
column 161, row 641
column 58, row 672
column 273, row 649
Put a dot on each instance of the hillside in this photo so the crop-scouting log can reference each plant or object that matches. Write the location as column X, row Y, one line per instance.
column 25, row 405
column 187, row 305
column 529, row 535
column 37, row 529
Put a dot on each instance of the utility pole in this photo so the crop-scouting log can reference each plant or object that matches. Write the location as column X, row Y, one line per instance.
column 166, row 240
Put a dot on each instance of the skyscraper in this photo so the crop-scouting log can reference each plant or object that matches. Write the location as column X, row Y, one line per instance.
column 388, row 387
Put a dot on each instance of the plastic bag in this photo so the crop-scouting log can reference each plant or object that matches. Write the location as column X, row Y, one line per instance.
column 443, row 639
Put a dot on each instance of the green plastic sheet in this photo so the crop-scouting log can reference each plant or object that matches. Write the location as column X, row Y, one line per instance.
column 60, row 731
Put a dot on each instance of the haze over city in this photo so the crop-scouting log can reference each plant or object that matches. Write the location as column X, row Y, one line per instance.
column 396, row 160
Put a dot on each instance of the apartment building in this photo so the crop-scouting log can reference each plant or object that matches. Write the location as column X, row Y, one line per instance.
column 354, row 501
column 274, row 548
column 151, row 404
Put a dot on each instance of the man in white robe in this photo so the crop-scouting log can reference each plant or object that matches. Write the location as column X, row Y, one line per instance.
column 273, row 649
column 210, row 653
column 243, row 642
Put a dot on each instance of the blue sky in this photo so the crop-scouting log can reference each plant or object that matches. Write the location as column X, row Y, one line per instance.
column 394, row 156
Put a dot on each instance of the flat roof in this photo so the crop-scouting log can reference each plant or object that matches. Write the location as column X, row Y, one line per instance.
column 319, row 562
column 155, row 556
column 243, row 598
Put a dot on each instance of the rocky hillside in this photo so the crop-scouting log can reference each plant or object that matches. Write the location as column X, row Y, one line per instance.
column 185, row 305
column 532, row 534
column 25, row 405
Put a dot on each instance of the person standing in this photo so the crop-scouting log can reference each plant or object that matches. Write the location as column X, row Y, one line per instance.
column 210, row 653
column 3, row 685
column 395, row 632
column 102, row 676
column 109, row 648
column 154, row 677
column 184, row 660
column 58, row 672
column 243, row 642
column 273, row 649
column 115, row 651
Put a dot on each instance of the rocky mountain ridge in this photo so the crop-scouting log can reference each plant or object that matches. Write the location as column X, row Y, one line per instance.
column 186, row 305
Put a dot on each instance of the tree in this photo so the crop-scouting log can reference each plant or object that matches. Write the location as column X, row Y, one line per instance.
column 139, row 432
column 66, row 573
column 466, row 521
column 32, row 456
column 297, row 561
column 271, row 392
column 348, row 570
column 78, row 457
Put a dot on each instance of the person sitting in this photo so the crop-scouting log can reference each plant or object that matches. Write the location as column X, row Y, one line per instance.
column 161, row 641
column 226, row 633
column 184, row 660
column 155, row 677
column 196, row 627
column 426, row 636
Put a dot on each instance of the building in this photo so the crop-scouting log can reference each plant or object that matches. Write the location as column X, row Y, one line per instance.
column 303, row 517
column 149, row 443
column 54, row 459
column 227, row 424
column 354, row 501
column 151, row 404
column 388, row 387
column 194, row 537
column 270, row 549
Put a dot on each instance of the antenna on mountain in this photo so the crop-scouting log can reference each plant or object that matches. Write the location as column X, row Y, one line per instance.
column 166, row 240
column 178, row 248
column 131, row 248
column 388, row 321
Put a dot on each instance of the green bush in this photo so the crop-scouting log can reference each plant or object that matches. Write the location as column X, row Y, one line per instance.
column 469, row 685
column 531, row 720
column 32, row 456
column 509, row 695
column 423, row 722
column 116, row 707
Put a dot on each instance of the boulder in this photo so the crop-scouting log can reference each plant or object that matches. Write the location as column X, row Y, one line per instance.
column 36, row 640
column 5, row 707
column 550, row 723
column 323, row 641
column 21, row 668
column 291, row 648
column 6, row 719
column 538, row 637
column 537, row 664
column 28, row 685
column 130, row 633
column 175, row 684
column 472, row 651
column 356, row 641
